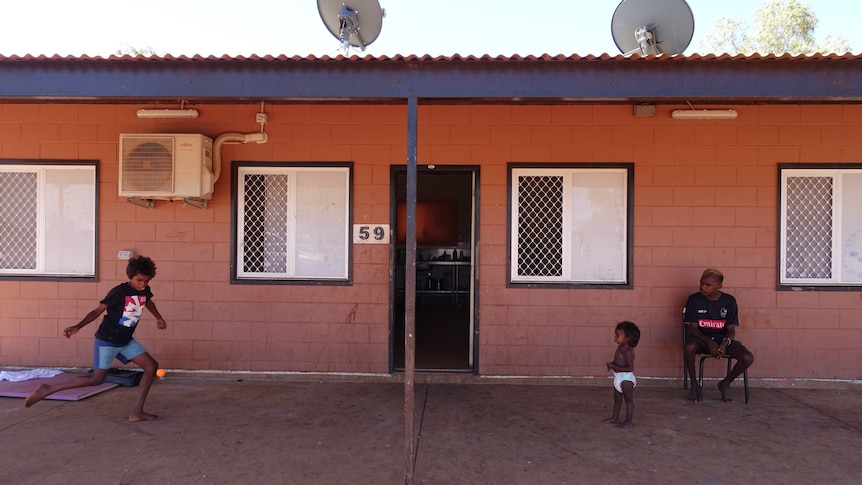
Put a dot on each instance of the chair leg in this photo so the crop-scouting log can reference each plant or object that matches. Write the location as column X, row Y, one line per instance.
column 700, row 380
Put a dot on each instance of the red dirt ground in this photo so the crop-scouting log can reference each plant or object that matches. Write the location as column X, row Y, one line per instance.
column 280, row 432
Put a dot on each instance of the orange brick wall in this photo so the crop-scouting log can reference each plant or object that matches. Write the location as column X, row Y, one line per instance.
column 705, row 195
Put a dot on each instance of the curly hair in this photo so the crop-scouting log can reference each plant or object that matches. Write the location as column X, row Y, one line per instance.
column 631, row 331
column 141, row 265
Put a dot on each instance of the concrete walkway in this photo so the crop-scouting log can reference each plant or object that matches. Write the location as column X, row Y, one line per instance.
column 284, row 432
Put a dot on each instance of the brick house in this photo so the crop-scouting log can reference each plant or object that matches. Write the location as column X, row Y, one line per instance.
column 554, row 197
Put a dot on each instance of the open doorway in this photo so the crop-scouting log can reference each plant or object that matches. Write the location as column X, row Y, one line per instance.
column 445, row 290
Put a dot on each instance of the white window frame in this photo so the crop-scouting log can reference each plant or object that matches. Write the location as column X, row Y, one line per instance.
column 613, row 272
column 66, row 219
column 339, row 220
column 846, row 226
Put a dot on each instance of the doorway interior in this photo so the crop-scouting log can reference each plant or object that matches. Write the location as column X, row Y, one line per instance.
column 445, row 290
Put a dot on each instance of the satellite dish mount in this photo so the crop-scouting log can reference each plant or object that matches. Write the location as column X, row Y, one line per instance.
column 348, row 24
column 645, row 35
column 355, row 23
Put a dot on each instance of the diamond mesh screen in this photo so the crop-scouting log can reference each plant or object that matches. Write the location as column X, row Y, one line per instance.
column 540, row 226
column 809, row 227
column 265, row 223
column 18, row 220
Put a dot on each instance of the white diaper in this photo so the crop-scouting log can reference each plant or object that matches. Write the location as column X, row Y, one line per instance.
column 619, row 377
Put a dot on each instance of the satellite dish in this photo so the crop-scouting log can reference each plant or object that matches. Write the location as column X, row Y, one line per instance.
column 652, row 26
column 356, row 23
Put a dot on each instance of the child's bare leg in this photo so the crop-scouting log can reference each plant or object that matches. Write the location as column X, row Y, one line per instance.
column 618, row 402
column 45, row 390
column 149, row 366
column 628, row 393
column 38, row 394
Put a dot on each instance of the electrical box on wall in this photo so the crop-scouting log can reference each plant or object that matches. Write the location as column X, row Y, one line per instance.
column 166, row 166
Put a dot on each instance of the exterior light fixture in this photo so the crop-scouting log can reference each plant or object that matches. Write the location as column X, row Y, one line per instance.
column 167, row 113
column 703, row 114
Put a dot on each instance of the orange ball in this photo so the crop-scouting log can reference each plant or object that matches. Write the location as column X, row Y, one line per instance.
column 160, row 373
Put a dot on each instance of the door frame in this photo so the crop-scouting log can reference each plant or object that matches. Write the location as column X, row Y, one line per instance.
column 473, row 296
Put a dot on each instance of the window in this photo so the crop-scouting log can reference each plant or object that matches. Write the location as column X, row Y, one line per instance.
column 571, row 225
column 48, row 219
column 821, row 226
column 292, row 223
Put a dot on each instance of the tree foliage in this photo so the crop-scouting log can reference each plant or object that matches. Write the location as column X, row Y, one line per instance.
column 126, row 49
column 780, row 26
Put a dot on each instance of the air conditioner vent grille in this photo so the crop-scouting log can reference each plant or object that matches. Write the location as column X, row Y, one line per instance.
column 168, row 166
column 148, row 165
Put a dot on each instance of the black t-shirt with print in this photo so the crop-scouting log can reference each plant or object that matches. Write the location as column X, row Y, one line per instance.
column 125, row 306
column 712, row 316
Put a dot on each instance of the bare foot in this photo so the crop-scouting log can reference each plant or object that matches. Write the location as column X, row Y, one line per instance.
column 625, row 424
column 37, row 395
column 692, row 394
column 611, row 420
column 143, row 417
column 724, row 387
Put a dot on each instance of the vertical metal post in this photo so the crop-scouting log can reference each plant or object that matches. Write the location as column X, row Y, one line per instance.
column 410, row 294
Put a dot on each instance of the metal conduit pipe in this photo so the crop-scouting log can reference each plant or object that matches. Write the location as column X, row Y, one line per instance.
column 233, row 139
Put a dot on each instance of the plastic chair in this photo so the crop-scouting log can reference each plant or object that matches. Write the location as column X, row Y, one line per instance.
column 703, row 356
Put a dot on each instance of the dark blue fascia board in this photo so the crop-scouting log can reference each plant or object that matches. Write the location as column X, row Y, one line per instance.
column 393, row 81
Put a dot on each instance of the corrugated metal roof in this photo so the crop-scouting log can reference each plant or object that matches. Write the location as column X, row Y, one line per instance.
column 530, row 79
column 428, row 58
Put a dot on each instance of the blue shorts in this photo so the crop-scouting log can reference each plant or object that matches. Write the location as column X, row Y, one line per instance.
column 104, row 353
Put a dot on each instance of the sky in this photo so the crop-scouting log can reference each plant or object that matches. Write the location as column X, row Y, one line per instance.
column 410, row 27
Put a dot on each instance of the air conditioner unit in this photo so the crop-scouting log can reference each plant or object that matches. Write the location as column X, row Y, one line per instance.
column 166, row 166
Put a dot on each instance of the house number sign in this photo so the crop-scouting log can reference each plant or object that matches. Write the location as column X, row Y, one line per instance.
column 371, row 234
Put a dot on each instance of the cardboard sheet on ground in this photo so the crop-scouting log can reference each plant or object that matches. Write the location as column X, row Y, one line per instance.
column 24, row 388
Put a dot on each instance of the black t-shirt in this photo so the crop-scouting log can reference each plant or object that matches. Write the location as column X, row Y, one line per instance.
column 125, row 306
column 712, row 316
